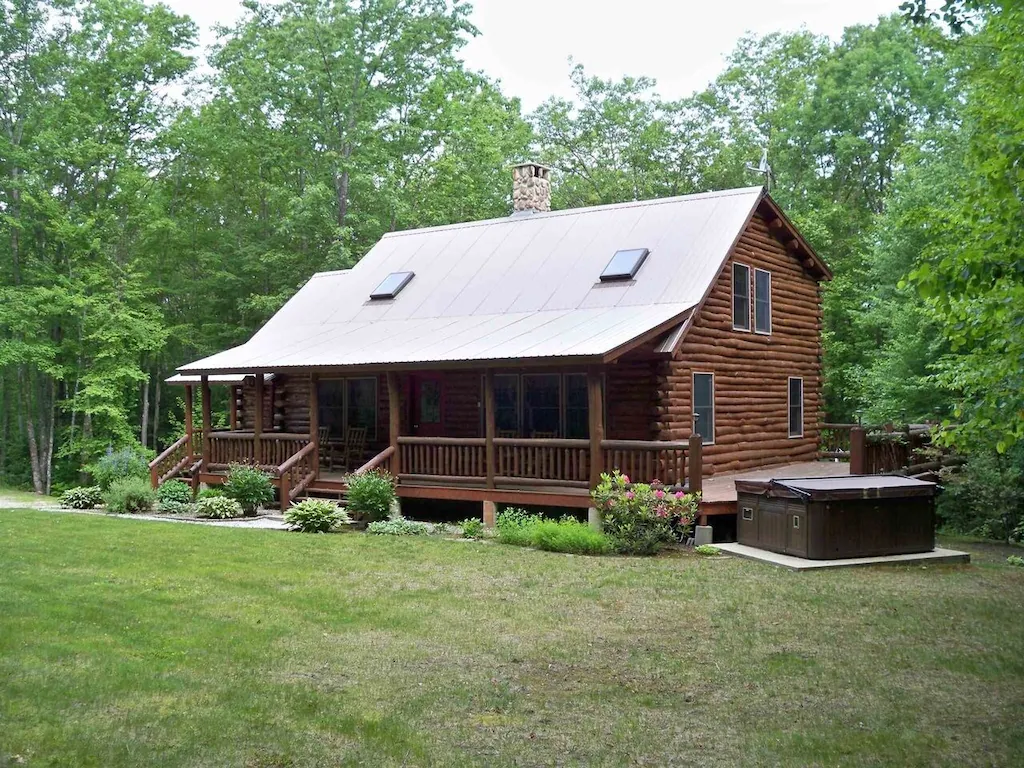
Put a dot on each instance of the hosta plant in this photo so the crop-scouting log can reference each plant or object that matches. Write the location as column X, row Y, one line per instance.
column 315, row 516
column 218, row 507
column 85, row 497
column 175, row 491
column 398, row 526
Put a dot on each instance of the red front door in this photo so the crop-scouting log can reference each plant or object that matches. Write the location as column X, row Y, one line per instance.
column 427, row 405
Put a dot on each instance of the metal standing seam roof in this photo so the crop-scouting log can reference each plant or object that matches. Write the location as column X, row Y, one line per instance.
column 514, row 288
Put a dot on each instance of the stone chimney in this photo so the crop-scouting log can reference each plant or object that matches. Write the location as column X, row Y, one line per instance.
column 531, row 188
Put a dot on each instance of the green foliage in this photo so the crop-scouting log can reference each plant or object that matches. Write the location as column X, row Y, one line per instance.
column 171, row 507
column 643, row 518
column 212, row 492
column 129, row 496
column 1016, row 560
column 707, row 549
column 986, row 496
column 218, row 507
column 176, row 491
column 119, row 465
column 522, row 529
column 472, row 528
column 251, row 487
column 371, row 495
column 82, row 497
column 398, row 526
column 315, row 516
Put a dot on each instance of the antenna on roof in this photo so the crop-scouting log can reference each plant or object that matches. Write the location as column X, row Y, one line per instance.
column 763, row 169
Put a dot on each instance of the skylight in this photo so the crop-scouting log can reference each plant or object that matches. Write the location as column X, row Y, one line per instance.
column 392, row 285
column 624, row 264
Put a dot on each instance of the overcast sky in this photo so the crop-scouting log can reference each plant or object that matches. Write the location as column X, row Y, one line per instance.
column 681, row 43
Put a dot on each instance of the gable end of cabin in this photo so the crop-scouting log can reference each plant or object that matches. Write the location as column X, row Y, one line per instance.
column 748, row 372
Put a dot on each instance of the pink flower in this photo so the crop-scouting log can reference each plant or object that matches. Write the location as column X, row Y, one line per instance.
column 679, row 494
column 625, row 478
column 655, row 481
column 659, row 493
column 661, row 511
column 630, row 495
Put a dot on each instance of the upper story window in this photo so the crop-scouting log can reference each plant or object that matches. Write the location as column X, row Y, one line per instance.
column 762, row 301
column 624, row 265
column 392, row 285
column 740, row 297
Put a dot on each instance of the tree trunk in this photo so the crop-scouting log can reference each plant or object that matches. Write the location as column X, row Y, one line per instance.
column 144, row 436
column 30, row 434
column 156, row 412
column 83, row 476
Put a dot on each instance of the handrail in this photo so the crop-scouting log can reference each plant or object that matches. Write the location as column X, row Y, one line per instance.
column 646, row 445
column 542, row 442
column 295, row 458
column 237, row 435
column 409, row 440
column 376, row 461
column 168, row 451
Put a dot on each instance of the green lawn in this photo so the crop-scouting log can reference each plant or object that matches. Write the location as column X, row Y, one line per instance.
column 128, row 643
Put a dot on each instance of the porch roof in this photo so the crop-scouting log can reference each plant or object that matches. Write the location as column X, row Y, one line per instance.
column 584, row 334
column 512, row 289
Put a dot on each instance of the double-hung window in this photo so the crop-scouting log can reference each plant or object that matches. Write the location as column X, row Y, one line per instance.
column 740, row 297
column 704, row 406
column 796, row 406
column 762, row 301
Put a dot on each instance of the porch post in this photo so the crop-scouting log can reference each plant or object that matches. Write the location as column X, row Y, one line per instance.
column 257, row 429
column 394, row 420
column 232, row 408
column 490, row 508
column 695, row 463
column 595, row 415
column 314, row 419
column 204, row 394
column 858, row 451
column 189, row 428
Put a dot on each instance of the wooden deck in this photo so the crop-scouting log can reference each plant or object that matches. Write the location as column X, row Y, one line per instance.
column 719, row 496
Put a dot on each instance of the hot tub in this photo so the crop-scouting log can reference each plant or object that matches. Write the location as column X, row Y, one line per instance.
column 835, row 517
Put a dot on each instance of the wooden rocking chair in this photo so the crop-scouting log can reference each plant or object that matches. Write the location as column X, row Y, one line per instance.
column 354, row 448
column 326, row 449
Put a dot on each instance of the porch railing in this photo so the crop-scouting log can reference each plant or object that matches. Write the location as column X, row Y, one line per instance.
column 176, row 458
column 276, row 448
column 540, row 461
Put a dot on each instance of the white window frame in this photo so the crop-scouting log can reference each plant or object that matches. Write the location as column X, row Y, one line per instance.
column 732, row 294
column 789, row 406
column 753, row 304
column 705, row 439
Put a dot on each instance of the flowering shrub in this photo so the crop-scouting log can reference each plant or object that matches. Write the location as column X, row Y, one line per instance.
column 642, row 518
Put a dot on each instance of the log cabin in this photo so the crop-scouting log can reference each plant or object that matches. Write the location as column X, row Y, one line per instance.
column 513, row 360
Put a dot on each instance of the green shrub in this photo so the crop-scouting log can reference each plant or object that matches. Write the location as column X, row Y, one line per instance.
column 315, row 516
column 515, row 527
column 371, row 495
column 176, row 508
column 642, row 518
column 119, row 465
column 218, row 507
column 472, row 528
column 249, row 486
column 986, row 496
column 129, row 496
column 398, row 526
column 212, row 492
column 173, row 491
column 707, row 549
column 570, row 535
column 83, row 497
column 1016, row 560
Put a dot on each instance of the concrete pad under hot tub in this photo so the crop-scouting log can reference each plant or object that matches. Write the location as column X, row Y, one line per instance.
column 937, row 556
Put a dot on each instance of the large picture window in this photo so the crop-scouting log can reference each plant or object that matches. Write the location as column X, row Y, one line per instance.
column 762, row 301
column 704, row 406
column 345, row 403
column 740, row 297
column 796, row 407
column 539, row 405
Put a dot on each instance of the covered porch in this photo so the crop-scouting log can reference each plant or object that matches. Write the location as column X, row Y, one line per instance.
column 530, row 436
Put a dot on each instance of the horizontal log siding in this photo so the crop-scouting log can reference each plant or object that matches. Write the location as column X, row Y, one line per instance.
column 751, row 370
column 463, row 395
column 631, row 400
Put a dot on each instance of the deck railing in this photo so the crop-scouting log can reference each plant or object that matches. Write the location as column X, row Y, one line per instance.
column 645, row 461
column 542, row 461
column 443, row 458
column 276, row 448
column 176, row 458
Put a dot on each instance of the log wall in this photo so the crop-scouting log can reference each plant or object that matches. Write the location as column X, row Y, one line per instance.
column 751, row 370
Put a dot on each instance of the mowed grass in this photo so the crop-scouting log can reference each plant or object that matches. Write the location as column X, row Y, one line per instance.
column 127, row 643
